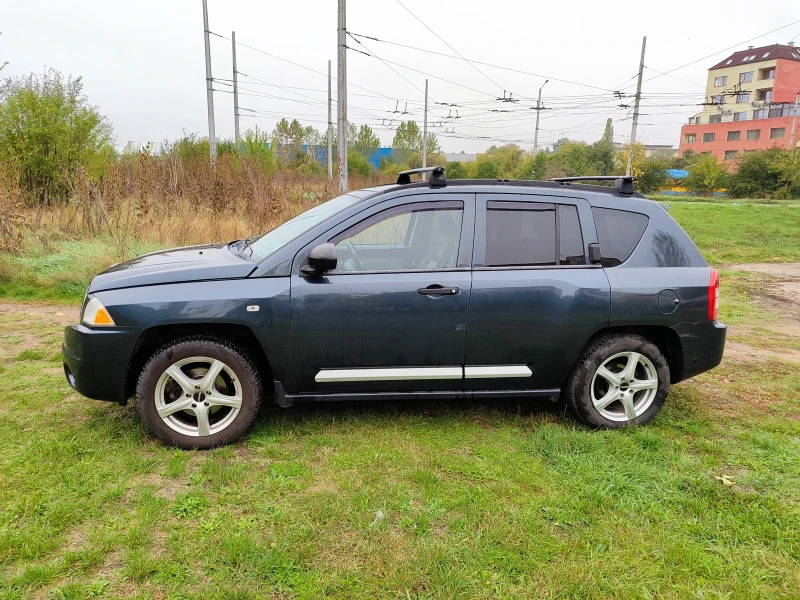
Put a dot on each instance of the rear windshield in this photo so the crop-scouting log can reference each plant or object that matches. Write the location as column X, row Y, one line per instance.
column 618, row 232
column 285, row 233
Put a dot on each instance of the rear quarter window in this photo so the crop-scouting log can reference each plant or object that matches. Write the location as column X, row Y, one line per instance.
column 618, row 232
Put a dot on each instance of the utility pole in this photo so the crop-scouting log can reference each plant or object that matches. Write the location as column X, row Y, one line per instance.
column 538, row 112
column 636, row 108
column 341, row 98
column 212, row 137
column 330, row 126
column 235, row 92
column 793, row 138
column 425, row 131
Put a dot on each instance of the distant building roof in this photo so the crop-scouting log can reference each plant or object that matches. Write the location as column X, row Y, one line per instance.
column 754, row 55
column 460, row 156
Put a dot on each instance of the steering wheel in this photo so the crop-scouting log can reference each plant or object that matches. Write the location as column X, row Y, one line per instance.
column 357, row 260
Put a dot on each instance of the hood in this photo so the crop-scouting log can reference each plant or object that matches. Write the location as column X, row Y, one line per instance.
column 177, row 265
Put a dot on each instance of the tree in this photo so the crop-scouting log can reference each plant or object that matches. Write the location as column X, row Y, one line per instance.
column 289, row 137
column 773, row 173
column 49, row 131
column 706, row 176
column 654, row 173
column 621, row 159
column 408, row 140
column 365, row 142
column 603, row 152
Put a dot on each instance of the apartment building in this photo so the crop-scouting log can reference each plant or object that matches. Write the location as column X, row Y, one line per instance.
column 751, row 100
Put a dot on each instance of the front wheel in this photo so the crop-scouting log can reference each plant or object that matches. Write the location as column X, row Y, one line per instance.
column 198, row 393
column 619, row 380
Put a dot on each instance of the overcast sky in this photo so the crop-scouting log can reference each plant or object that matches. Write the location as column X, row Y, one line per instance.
column 143, row 64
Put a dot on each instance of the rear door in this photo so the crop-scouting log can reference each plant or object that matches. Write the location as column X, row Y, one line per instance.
column 393, row 315
column 535, row 299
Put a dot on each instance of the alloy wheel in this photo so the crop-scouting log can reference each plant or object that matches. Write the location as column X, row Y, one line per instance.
column 198, row 396
column 624, row 386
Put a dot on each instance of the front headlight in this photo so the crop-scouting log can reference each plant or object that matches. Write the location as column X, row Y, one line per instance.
column 96, row 315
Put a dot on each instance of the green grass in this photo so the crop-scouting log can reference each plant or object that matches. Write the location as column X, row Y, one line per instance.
column 725, row 233
column 427, row 500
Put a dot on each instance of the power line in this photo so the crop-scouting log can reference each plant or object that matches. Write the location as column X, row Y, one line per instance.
column 449, row 46
column 478, row 62
column 723, row 50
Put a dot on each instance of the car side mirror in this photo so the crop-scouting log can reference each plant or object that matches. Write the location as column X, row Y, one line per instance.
column 321, row 258
column 594, row 254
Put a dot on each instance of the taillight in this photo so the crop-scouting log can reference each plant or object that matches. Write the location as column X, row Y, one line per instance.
column 713, row 296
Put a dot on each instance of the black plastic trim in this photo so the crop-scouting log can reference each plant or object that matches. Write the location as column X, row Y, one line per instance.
column 285, row 400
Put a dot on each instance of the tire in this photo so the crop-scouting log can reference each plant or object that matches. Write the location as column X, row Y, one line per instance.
column 610, row 399
column 184, row 408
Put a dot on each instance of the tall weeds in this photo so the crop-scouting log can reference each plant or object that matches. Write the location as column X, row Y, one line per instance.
column 167, row 200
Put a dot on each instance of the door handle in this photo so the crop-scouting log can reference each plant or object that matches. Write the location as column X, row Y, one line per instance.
column 438, row 290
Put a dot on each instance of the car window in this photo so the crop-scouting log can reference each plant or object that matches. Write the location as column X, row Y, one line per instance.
column 618, row 232
column 524, row 234
column 423, row 236
column 283, row 234
column 570, row 240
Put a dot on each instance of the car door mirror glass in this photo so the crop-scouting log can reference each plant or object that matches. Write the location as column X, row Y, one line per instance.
column 321, row 258
column 594, row 254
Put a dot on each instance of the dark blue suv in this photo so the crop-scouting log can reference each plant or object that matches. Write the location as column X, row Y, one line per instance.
column 587, row 294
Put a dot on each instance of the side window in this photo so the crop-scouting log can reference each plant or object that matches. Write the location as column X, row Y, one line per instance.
column 618, row 232
column 532, row 234
column 570, row 240
column 422, row 236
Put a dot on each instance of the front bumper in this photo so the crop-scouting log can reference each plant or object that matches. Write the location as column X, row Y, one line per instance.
column 702, row 344
column 96, row 360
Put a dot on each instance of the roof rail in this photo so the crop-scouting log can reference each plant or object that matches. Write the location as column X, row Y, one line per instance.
column 437, row 176
column 622, row 183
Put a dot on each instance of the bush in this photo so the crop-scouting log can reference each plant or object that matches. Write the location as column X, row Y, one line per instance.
column 771, row 173
column 50, row 133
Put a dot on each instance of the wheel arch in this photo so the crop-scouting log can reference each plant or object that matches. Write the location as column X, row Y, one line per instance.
column 153, row 338
column 665, row 338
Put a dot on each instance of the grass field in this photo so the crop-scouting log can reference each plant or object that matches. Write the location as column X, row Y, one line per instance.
column 414, row 500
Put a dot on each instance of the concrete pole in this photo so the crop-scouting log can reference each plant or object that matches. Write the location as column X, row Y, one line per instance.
column 341, row 97
column 538, row 112
column 235, row 92
column 212, row 136
column 330, row 126
column 636, row 108
column 425, row 134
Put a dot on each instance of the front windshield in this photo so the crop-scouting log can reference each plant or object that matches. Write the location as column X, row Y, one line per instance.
column 286, row 232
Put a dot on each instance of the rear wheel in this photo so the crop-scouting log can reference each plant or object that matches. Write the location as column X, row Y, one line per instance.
column 198, row 393
column 619, row 380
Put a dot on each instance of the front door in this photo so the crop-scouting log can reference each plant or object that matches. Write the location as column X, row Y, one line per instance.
column 535, row 301
column 393, row 315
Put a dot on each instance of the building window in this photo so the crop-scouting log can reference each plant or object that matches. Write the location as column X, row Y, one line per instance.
column 746, row 77
column 740, row 116
column 753, row 134
column 697, row 121
column 718, row 99
column 767, row 73
column 720, row 81
column 781, row 110
column 690, row 138
column 777, row 132
column 745, row 97
column 765, row 95
column 730, row 154
column 733, row 136
column 761, row 113
column 715, row 118
column 708, row 137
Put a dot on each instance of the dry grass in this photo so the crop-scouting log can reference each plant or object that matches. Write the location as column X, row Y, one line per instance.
column 166, row 201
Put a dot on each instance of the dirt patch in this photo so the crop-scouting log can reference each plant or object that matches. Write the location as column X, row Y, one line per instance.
column 739, row 351
column 60, row 313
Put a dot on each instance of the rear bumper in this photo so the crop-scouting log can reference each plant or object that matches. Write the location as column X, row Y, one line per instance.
column 702, row 345
column 96, row 360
